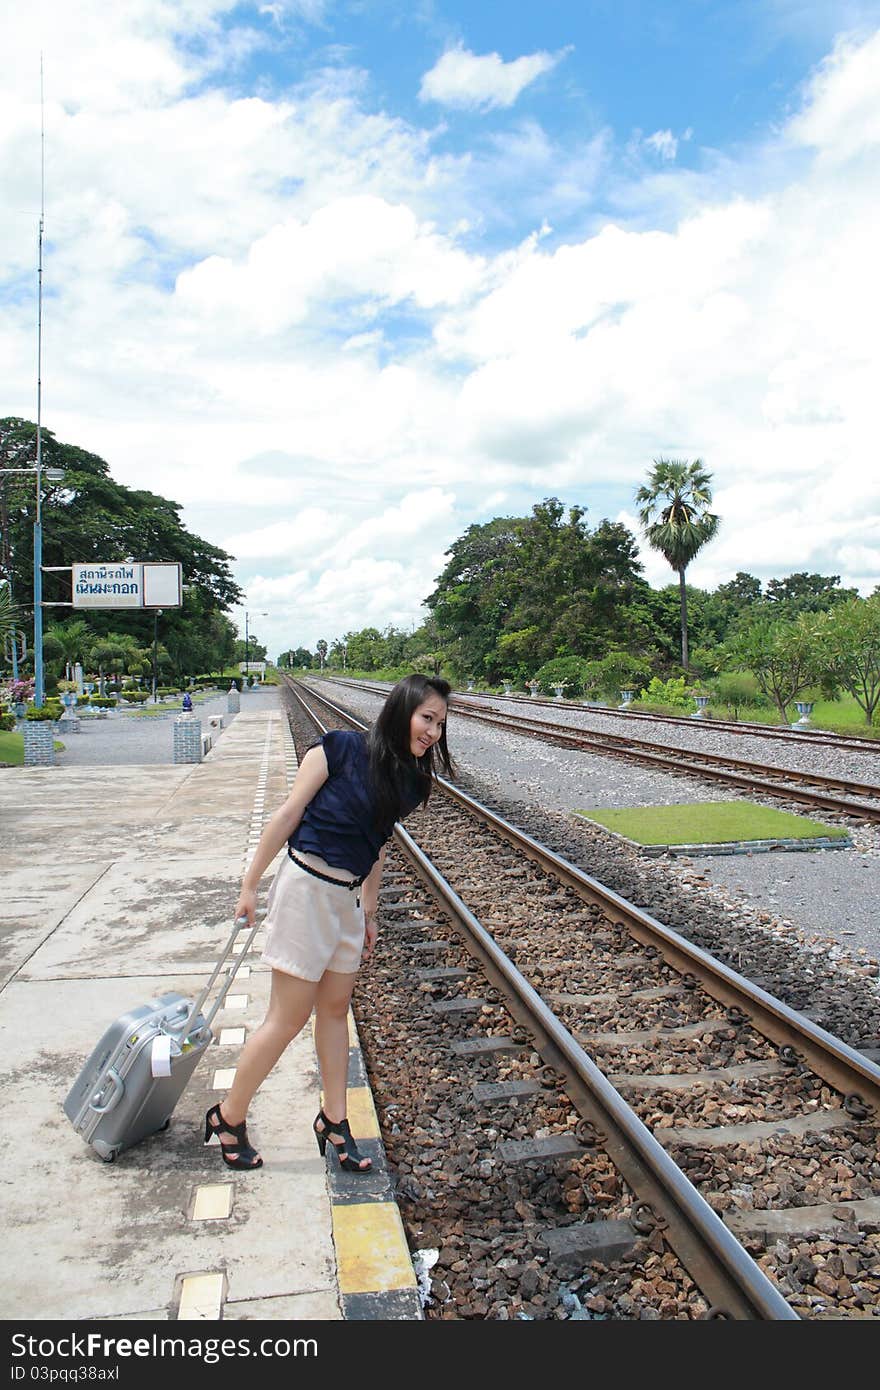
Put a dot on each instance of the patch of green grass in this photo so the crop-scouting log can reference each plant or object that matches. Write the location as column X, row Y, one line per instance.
column 11, row 748
column 708, row 823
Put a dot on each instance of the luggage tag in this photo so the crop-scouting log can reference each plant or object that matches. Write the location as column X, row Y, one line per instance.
column 160, row 1056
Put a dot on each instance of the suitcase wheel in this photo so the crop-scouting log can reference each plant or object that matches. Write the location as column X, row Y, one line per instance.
column 162, row 1128
column 111, row 1157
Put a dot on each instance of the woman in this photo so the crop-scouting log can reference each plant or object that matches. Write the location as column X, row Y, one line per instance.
column 349, row 791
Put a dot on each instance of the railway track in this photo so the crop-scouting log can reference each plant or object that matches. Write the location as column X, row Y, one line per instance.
column 775, row 732
column 730, row 1119
column 778, row 733
column 844, row 796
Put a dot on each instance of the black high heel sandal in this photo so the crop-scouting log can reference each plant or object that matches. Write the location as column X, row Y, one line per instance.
column 347, row 1152
column 239, row 1155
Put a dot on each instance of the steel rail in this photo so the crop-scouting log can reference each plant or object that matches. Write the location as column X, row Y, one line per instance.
column 721, row 1268
column 848, row 1071
column 672, row 753
column 788, row 734
column 637, row 751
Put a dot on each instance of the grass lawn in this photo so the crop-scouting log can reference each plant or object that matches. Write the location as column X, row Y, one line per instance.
column 709, row 823
column 843, row 716
column 11, row 748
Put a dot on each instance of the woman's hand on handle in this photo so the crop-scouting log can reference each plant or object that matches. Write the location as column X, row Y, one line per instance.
column 247, row 905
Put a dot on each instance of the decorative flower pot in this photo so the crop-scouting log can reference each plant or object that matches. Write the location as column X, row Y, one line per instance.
column 804, row 709
column 701, row 701
column 626, row 698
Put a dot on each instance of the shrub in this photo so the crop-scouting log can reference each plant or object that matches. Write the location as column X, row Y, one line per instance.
column 737, row 690
column 572, row 671
column 103, row 701
column 615, row 672
column 7, row 721
column 672, row 692
column 135, row 697
column 39, row 716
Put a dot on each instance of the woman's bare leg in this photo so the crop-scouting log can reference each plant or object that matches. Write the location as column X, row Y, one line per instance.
column 331, row 1042
column 290, row 1005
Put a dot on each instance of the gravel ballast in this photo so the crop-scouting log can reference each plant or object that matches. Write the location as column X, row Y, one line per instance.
column 818, row 907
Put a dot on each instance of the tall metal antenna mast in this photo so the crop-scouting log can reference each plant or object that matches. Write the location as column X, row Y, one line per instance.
column 40, row 281
column 38, row 526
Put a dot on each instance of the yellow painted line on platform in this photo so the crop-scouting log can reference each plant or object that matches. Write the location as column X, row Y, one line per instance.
column 371, row 1250
column 201, row 1297
column 362, row 1113
column 223, row 1079
column 353, row 1040
column 213, row 1201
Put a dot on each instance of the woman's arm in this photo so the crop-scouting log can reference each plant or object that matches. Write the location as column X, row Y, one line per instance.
column 313, row 773
column 371, row 902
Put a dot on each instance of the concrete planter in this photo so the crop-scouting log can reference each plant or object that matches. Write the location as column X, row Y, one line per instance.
column 39, row 743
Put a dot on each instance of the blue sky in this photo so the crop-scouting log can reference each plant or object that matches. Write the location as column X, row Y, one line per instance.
column 343, row 278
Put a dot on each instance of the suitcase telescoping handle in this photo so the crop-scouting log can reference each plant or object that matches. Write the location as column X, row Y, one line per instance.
column 196, row 1009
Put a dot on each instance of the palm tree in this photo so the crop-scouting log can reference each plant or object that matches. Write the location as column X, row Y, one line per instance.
column 9, row 614
column 673, row 509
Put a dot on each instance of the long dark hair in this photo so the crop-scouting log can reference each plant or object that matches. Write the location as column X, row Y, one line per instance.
column 392, row 763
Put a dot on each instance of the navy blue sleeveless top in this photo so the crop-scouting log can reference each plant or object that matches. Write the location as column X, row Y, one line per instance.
column 338, row 823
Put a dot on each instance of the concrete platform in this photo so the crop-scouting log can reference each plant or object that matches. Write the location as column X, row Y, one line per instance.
column 118, row 883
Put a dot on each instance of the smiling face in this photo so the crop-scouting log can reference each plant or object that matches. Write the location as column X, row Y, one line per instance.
column 426, row 725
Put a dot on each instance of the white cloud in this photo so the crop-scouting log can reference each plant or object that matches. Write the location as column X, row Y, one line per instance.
column 664, row 143
column 359, row 247
column 469, row 81
column 300, row 281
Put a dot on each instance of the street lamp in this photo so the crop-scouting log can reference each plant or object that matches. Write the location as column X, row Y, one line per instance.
column 247, row 642
column 54, row 475
column 156, row 616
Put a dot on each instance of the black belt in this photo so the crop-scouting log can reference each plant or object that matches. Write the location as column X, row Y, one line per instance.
column 340, row 882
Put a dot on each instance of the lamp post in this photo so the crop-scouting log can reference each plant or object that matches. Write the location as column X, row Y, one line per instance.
column 54, row 475
column 156, row 616
column 247, row 642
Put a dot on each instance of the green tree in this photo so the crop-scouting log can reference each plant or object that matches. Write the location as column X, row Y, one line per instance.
column 9, row 616
column 673, row 509
column 851, row 647
column 89, row 516
column 728, row 604
column 614, row 672
column 807, row 593
column 785, row 657
column 520, row 591
column 470, row 603
column 365, row 649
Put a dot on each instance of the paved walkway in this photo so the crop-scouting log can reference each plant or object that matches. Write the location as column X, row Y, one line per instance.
column 136, row 739
column 117, row 884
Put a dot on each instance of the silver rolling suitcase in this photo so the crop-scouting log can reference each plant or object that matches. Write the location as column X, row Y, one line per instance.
column 139, row 1070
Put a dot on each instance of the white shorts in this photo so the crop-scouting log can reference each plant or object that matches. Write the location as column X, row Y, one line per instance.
column 313, row 926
